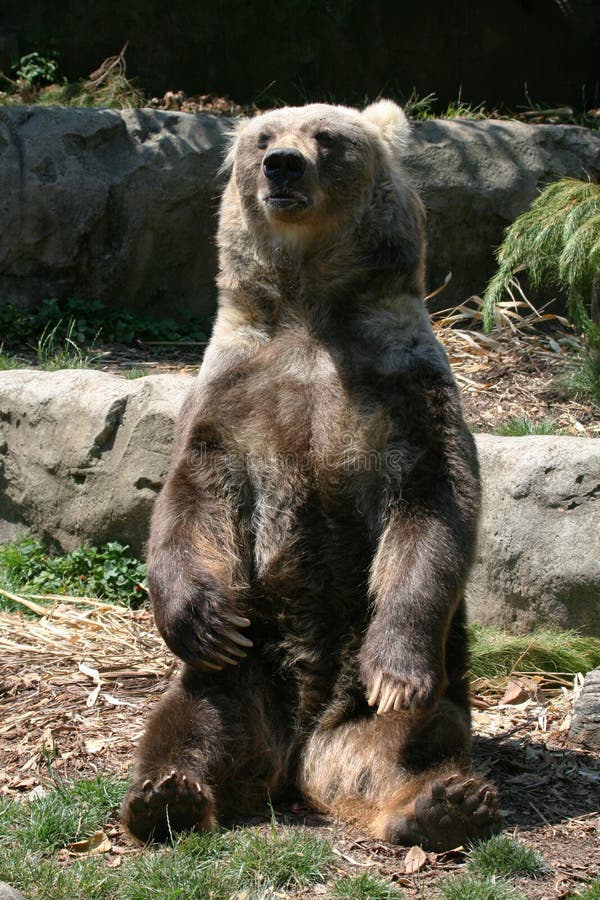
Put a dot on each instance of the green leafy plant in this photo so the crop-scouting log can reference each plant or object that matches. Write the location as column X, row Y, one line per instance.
column 109, row 572
column 37, row 68
column 557, row 241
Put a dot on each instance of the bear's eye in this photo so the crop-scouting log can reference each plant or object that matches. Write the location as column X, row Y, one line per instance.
column 325, row 138
column 264, row 139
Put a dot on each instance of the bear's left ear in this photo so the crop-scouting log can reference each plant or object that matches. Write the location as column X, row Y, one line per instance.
column 389, row 119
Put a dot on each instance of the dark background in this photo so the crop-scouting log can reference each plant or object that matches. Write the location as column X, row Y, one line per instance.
column 342, row 50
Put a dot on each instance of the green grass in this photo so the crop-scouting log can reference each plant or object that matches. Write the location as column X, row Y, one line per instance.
column 68, row 812
column 475, row 887
column 495, row 653
column 590, row 892
column 504, row 857
column 522, row 426
column 109, row 572
column 365, row 887
column 56, row 350
column 9, row 361
column 137, row 372
column 213, row 865
column 583, row 382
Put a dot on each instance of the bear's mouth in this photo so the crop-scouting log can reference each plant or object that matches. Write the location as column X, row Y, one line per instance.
column 282, row 199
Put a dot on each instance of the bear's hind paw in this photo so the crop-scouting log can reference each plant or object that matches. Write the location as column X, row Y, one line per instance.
column 155, row 811
column 450, row 812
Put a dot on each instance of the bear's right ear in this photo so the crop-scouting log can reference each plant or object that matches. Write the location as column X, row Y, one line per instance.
column 389, row 118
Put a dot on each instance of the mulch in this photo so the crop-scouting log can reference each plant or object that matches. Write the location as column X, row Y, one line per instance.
column 78, row 678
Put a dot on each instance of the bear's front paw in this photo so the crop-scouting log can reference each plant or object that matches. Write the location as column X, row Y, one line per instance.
column 201, row 634
column 209, row 644
column 223, row 645
column 393, row 692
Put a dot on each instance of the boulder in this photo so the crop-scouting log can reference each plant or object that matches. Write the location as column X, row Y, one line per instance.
column 585, row 720
column 7, row 892
column 539, row 551
column 475, row 178
column 120, row 206
column 113, row 205
column 83, row 455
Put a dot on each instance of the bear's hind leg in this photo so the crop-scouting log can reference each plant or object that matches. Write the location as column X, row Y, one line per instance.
column 208, row 749
column 175, row 758
column 358, row 770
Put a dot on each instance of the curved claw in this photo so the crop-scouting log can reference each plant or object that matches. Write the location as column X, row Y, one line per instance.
column 238, row 621
column 227, row 659
column 237, row 638
column 204, row 664
column 232, row 650
column 376, row 687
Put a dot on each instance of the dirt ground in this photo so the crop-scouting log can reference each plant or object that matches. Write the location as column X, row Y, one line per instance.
column 77, row 686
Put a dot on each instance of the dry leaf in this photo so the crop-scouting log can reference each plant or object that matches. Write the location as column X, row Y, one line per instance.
column 97, row 843
column 520, row 690
column 95, row 745
column 414, row 860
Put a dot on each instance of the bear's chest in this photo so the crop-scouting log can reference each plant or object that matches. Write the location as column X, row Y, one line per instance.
column 297, row 411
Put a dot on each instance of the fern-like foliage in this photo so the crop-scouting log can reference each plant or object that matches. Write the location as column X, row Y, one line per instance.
column 558, row 242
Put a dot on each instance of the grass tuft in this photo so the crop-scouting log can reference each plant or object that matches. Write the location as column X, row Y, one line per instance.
column 502, row 856
column 583, row 382
column 9, row 360
column 475, row 887
column 590, row 892
column 495, row 653
column 522, row 426
column 57, row 351
column 66, row 813
column 137, row 372
column 365, row 887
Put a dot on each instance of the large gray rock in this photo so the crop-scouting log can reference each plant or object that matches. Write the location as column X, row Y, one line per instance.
column 115, row 205
column 7, row 892
column 585, row 721
column 539, row 551
column 121, row 206
column 476, row 177
column 83, row 455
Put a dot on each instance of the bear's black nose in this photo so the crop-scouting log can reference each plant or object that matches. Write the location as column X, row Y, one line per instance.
column 284, row 164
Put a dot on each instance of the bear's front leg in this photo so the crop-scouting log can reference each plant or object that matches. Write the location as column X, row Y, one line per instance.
column 417, row 579
column 196, row 576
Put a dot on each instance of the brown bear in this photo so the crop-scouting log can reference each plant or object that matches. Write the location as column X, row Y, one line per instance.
column 309, row 551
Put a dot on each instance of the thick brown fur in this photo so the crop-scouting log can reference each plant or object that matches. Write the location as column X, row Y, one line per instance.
column 322, row 504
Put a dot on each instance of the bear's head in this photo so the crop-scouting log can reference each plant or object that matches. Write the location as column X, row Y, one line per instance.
column 320, row 179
